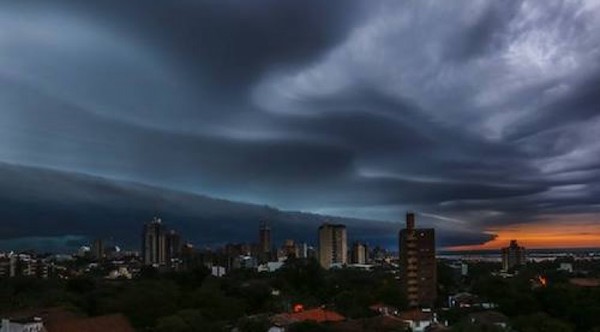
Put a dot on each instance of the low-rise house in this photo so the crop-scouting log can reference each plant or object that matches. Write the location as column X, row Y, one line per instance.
column 29, row 324
column 417, row 319
column 120, row 273
column 468, row 300
column 567, row 267
column 318, row 315
column 61, row 320
column 384, row 310
column 217, row 271
column 270, row 266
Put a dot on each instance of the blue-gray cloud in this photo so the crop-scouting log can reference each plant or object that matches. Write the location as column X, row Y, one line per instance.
column 484, row 113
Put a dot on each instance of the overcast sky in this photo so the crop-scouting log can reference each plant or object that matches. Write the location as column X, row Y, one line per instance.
column 480, row 115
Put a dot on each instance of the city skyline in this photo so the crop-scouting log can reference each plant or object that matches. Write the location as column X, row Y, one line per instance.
column 483, row 119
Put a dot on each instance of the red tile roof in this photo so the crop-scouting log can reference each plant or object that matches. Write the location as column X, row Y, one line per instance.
column 318, row 315
column 415, row 315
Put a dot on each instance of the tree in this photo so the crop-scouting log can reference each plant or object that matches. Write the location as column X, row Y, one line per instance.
column 540, row 322
column 309, row 326
column 391, row 293
column 172, row 323
column 254, row 324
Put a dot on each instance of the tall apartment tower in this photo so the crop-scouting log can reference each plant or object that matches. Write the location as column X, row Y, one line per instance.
column 98, row 249
column 154, row 243
column 513, row 256
column 359, row 254
column 173, row 245
column 289, row 249
column 264, row 241
column 417, row 264
column 333, row 245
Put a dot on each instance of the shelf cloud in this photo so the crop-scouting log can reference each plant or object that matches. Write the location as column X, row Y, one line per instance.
column 485, row 113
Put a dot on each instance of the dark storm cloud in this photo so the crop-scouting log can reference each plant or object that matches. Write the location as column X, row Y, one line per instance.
column 583, row 103
column 476, row 113
column 228, row 43
column 67, row 210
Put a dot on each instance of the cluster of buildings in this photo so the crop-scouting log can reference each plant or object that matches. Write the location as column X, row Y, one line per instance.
column 24, row 265
column 415, row 268
column 164, row 249
column 417, row 260
column 333, row 248
column 160, row 246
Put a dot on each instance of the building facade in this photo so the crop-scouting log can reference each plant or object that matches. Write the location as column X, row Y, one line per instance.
column 23, row 265
column 159, row 246
column 154, row 243
column 333, row 245
column 264, row 241
column 289, row 249
column 174, row 245
column 359, row 253
column 98, row 249
column 418, row 269
column 513, row 256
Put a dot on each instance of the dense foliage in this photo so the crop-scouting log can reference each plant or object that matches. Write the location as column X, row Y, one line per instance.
column 558, row 306
column 196, row 301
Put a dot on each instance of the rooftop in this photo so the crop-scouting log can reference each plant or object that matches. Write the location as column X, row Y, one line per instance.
column 416, row 315
column 318, row 315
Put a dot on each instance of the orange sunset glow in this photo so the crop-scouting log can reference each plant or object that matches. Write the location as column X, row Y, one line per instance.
column 540, row 235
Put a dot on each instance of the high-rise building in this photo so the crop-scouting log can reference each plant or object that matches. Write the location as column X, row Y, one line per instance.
column 173, row 243
column 418, row 269
column 264, row 241
column 98, row 249
column 359, row 253
column 333, row 245
column 159, row 246
column 513, row 256
column 154, row 243
column 289, row 249
column 306, row 251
